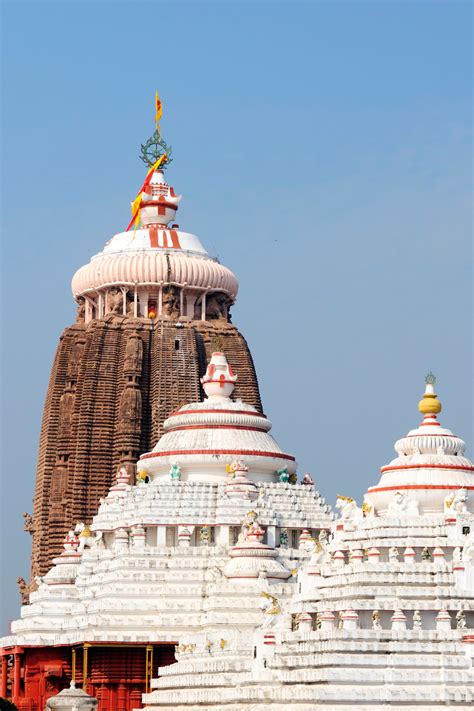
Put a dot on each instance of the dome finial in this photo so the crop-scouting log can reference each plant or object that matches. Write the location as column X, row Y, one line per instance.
column 219, row 380
column 429, row 404
column 156, row 147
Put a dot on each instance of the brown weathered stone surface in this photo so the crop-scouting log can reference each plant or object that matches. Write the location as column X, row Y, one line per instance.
column 112, row 385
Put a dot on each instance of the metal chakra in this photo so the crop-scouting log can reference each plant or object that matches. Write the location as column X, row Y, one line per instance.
column 430, row 378
column 154, row 148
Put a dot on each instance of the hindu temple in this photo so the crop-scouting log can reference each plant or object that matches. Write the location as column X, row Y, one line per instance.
column 180, row 561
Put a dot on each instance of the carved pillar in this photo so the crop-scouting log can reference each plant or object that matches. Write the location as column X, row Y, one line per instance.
column 130, row 411
column 16, row 676
column 181, row 302
column 135, row 302
column 203, row 307
column 160, row 301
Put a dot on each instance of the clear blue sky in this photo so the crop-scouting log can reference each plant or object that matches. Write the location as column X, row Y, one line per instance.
column 324, row 153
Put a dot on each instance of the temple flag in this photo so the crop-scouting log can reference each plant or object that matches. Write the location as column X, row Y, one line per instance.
column 158, row 109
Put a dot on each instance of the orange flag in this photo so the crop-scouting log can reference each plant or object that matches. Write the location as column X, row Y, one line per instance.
column 158, row 109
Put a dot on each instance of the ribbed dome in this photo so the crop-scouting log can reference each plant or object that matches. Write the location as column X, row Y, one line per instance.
column 154, row 266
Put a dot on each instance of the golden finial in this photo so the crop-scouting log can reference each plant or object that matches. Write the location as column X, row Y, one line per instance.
column 429, row 404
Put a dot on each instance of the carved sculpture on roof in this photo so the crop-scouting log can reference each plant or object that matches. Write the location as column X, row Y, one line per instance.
column 114, row 302
column 307, row 480
column 461, row 620
column 142, row 477
column 28, row 524
column 393, row 555
column 249, row 525
column 425, row 554
column 417, row 622
column 170, row 301
column 348, row 508
column 456, row 502
column 23, row 590
column 468, row 549
column 283, row 475
column 86, row 539
column 216, row 304
column 205, row 535
column 271, row 608
column 284, row 538
column 402, row 504
column 376, row 624
column 175, row 472
column 81, row 309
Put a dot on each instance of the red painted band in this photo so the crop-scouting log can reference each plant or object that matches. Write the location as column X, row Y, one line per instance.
column 417, row 486
column 388, row 468
column 157, row 203
column 249, row 452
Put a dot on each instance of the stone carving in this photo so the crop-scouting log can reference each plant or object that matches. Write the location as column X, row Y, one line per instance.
column 367, row 508
column 307, row 480
column 130, row 414
column 271, row 609
column 175, row 472
column 216, row 306
column 28, row 524
column 284, row 538
column 85, row 536
column 24, row 590
column 81, row 310
column 142, row 477
column 283, row 475
column 393, row 554
column 133, row 354
column 468, row 550
column 402, row 505
column 348, row 508
column 249, row 525
column 376, row 624
column 456, row 502
column 457, row 554
column 417, row 620
column 461, row 620
column 425, row 554
column 205, row 535
column 170, row 301
column 114, row 302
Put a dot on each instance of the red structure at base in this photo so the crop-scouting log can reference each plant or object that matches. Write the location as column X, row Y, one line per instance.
column 116, row 674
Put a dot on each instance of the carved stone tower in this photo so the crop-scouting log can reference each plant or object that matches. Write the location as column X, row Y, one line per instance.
column 152, row 307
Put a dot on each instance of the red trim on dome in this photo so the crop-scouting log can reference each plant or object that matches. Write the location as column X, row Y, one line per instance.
column 250, row 452
column 158, row 203
column 216, row 427
column 207, row 412
column 373, row 489
column 389, row 468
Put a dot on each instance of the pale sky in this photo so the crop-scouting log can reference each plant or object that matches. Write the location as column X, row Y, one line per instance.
column 324, row 153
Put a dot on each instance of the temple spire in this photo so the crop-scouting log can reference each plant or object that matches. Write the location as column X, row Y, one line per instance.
column 429, row 405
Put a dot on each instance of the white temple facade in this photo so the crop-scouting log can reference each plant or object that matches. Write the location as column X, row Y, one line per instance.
column 272, row 602
column 214, row 517
column 382, row 614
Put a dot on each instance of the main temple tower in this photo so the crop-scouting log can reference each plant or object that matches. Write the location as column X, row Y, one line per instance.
column 152, row 306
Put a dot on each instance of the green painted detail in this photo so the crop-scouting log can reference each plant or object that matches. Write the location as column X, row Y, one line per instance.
column 154, row 148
